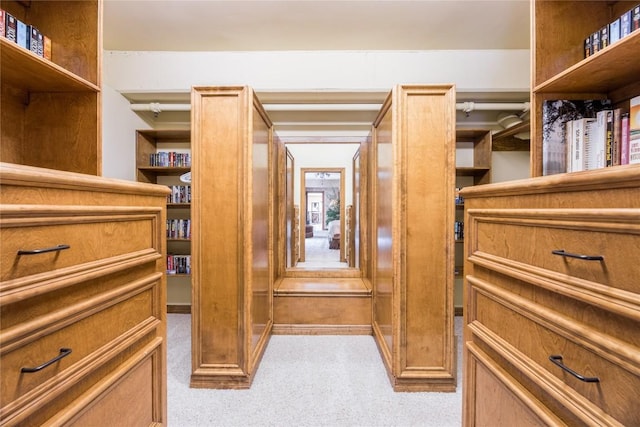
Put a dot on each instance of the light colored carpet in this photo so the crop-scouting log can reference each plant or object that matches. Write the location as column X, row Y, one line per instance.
column 317, row 253
column 305, row 380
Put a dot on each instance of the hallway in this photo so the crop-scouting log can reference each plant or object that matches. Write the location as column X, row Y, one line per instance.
column 304, row 380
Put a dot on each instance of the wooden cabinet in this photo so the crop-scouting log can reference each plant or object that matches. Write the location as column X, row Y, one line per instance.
column 411, row 212
column 81, row 299
column 233, row 212
column 559, row 70
column 163, row 157
column 550, row 300
column 50, row 109
column 551, row 274
column 82, row 285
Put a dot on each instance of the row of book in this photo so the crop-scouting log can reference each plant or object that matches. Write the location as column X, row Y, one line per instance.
column 178, row 229
column 179, row 194
column 618, row 29
column 178, row 264
column 25, row 35
column 170, row 159
column 582, row 135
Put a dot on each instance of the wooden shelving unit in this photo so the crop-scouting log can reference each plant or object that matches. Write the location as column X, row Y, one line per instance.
column 148, row 143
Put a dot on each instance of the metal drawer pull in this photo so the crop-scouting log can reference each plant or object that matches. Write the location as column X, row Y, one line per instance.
column 557, row 360
column 561, row 252
column 45, row 250
column 63, row 353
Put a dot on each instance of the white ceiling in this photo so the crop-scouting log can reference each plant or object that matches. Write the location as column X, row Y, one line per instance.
column 213, row 25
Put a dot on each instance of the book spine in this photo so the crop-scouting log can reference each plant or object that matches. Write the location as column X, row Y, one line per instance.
column 625, row 24
column 604, row 36
column 635, row 19
column 32, row 38
column 569, row 142
column 615, row 145
column 624, row 139
column 634, row 131
column 11, row 27
column 608, row 135
column 2, row 22
column 587, row 47
column 21, row 34
column 614, row 31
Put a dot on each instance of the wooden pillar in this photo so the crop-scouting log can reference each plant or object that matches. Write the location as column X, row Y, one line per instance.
column 232, row 236
column 412, row 206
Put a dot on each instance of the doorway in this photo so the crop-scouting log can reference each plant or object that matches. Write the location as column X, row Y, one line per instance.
column 322, row 213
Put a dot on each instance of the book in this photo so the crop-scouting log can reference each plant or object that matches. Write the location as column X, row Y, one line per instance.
column 624, row 138
column 616, row 143
column 579, row 137
column 614, row 31
column 604, row 36
column 625, row 24
column 608, row 138
column 634, row 130
column 32, row 38
column 635, row 18
column 595, row 150
column 587, row 47
column 2, row 18
column 10, row 27
column 21, row 34
column 555, row 113
column 595, row 42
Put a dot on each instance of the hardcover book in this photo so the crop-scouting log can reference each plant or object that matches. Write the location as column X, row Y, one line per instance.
column 604, row 36
column 555, row 113
column 10, row 27
column 624, row 138
column 625, row 24
column 614, row 31
column 32, row 38
column 635, row 18
column 634, row 130
column 21, row 34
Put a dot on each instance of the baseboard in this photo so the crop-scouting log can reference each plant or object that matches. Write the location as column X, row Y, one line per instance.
column 178, row 309
column 288, row 329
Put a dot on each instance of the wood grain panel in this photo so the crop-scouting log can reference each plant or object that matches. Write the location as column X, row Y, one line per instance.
column 217, row 204
column 383, row 206
column 427, row 151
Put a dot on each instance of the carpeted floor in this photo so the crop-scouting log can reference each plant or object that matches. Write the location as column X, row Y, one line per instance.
column 305, row 380
column 317, row 253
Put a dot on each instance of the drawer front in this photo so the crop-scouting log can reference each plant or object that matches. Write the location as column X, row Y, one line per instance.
column 93, row 329
column 527, row 334
column 527, row 239
column 42, row 239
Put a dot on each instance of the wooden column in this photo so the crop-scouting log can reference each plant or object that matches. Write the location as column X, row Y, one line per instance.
column 232, row 236
column 412, row 205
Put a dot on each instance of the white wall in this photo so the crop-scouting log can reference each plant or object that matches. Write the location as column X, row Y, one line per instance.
column 119, row 124
column 481, row 71
column 324, row 156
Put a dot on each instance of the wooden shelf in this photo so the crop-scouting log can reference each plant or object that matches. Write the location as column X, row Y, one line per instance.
column 472, row 171
column 178, row 205
column 593, row 74
column 26, row 70
column 164, row 170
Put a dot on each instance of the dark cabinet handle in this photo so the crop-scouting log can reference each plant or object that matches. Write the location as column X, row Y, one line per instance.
column 557, row 360
column 562, row 252
column 64, row 352
column 45, row 250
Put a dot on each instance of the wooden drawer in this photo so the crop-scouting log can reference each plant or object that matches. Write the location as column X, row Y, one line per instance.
column 497, row 318
column 526, row 239
column 92, row 234
column 96, row 329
